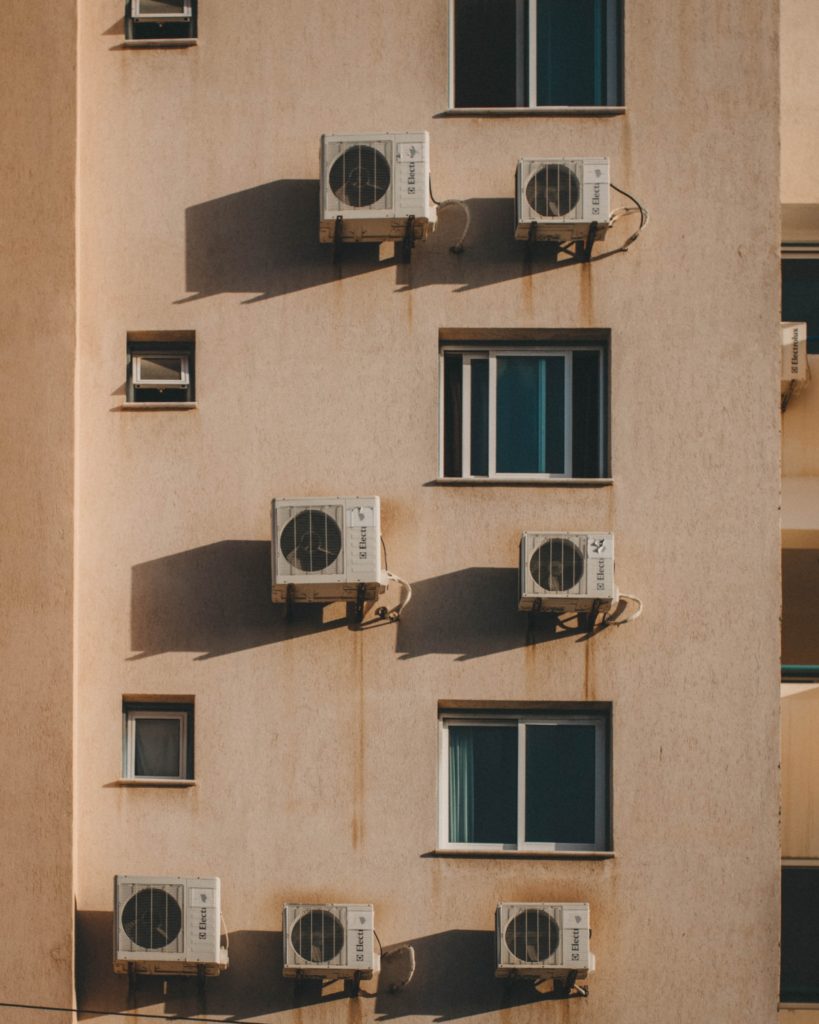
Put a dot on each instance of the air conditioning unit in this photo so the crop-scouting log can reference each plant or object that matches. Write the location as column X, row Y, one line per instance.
column 326, row 549
column 543, row 940
column 329, row 940
column 562, row 197
column 161, row 10
column 562, row 572
column 375, row 183
column 167, row 925
column 794, row 353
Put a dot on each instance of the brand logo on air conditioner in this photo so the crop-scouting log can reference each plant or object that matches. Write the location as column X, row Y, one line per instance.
column 596, row 199
column 600, row 575
column 362, row 543
column 795, row 353
column 203, row 923
column 359, row 947
column 574, row 948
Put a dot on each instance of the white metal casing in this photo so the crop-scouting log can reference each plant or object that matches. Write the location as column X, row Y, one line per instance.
column 577, row 197
column 562, row 572
column 550, row 939
column 404, row 157
column 341, row 932
column 186, row 911
column 794, row 352
column 144, row 10
column 350, row 525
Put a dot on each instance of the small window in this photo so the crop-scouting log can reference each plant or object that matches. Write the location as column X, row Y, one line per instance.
column 160, row 21
column 512, row 411
column 800, row 296
column 536, row 53
column 524, row 782
column 799, row 977
column 160, row 368
column 157, row 740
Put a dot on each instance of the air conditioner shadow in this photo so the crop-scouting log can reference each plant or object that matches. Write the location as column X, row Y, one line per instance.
column 454, row 978
column 263, row 241
column 215, row 600
column 471, row 613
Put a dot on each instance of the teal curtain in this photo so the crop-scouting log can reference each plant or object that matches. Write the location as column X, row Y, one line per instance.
column 461, row 784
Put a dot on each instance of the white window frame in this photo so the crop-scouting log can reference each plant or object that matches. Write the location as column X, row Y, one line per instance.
column 601, row 789
column 185, row 15
column 138, row 381
column 468, row 353
column 526, row 86
column 130, row 717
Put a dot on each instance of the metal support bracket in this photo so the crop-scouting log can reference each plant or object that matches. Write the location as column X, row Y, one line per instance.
column 408, row 242
column 530, row 241
column 590, row 240
column 288, row 607
column 338, row 232
column 360, row 598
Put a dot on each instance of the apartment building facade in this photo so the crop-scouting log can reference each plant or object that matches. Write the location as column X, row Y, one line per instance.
column 163, row 211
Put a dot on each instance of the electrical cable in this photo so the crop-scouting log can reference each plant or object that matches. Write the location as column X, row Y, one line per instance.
column 610, row 620
column 132, row 1014
column 394, row 614
column 458, row 247
column 638, row 207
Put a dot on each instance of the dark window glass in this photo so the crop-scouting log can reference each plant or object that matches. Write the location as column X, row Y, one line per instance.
column 800, row 296
column 530, row 414
column 487, row 43
column 577, row 51
column 157, row 744
column 586, row 413
column 453, row 414
column 479, row 433
column 560, row 783
column 799, row 978
column 483, row 784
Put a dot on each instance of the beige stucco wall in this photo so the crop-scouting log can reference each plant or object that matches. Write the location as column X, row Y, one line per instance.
column 316, row 746
column 800, row 102
column 37, row 340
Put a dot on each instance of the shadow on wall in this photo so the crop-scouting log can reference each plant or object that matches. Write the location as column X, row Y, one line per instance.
column 454, row 978
column 214, row 600
column 471, row 613
column 800, row 606
column 264, row 240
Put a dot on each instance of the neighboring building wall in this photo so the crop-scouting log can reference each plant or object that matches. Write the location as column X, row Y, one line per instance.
column 316, row 746
column 37, row 295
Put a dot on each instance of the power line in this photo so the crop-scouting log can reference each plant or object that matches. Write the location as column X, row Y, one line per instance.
column 115, row 1013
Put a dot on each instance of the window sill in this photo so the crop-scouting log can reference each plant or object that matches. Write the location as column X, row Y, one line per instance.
column 149, row 44
column 532, row 481
column 525, row 854
column 158, row 783
column 798, row 1006
column 532, row 112
column 139, row 406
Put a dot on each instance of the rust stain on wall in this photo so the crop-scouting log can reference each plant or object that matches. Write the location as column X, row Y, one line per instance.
column 357, row 825
column 586, row 300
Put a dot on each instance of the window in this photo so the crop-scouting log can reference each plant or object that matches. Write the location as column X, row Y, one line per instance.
column 160, row 368
column 524, row 782
column 157, row 740
column 800, row 296
column 513, row 411
column 536, row 53
column 799, row 977
column 160, row 21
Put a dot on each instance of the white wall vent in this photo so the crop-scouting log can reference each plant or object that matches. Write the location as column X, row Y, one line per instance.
column 326, row 549
column 794, row 353
column 543, row 940
column 167, row 925
column 566, row 571
column 563, row 197
column 161, row 10
column 375, row 183
column 329, row 940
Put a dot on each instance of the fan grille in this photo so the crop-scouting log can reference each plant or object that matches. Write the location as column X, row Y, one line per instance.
column 311, row 541
column 557, row 565
column 360, row 176
column 553, row 191
column 152, row 918
column 317, row 936
column 532, row 936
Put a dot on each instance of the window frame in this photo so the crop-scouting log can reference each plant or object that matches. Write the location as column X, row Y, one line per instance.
column 602, row 798
column 134, row 711
column 478, row 350
column 161, row 345
column 185, row 15
column 795, row 863
column 526, row 76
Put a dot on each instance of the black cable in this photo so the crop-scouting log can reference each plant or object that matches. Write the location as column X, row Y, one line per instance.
column 384, row 549
column 114, row 1013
